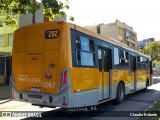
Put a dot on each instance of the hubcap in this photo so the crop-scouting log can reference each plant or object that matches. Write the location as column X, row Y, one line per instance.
column 121, row 94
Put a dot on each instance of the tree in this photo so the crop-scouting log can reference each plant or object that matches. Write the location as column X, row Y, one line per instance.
column 52, row 8
column 153, row 50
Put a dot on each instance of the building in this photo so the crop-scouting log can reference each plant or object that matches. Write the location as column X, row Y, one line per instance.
column 6, row 39
column 143, row 43
column 118, row 31
column 6, row 42
column 6, row 36
column 27, row 18
column 5, row 69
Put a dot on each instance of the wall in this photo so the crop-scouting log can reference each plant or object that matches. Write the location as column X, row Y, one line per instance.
column 108, row 30
column 5, row 31
column 92, row 28
column 116, row 31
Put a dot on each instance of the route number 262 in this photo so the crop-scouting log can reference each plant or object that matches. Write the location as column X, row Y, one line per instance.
column 52, row 33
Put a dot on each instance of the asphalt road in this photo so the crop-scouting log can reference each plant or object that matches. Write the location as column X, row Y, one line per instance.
column 138, row 101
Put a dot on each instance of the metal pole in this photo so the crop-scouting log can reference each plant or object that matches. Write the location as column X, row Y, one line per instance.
column 5, row 65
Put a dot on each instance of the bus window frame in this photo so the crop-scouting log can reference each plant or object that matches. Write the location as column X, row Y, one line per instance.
column 144, row 65
column 74, row 49
column 123, row 67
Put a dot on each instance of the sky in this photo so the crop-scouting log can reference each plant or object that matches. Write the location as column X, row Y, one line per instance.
column 142, row 15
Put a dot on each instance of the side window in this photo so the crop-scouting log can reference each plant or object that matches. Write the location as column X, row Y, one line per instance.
column 141, row 59
column 127, row 59
column 147, row 64
column 139, row 64
column 85, row 55
column 124, row 58
column 100, row 60
column 121, row 58
column 142, row 63
column 116, row 56
column 138, row 58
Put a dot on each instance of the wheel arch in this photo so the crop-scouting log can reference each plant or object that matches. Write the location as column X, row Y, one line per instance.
column 121, row 81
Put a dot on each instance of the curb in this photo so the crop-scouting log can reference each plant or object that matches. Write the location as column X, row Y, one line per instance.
column 152, row 104
column 5, row 101
column 149, row 107
column 5, row 98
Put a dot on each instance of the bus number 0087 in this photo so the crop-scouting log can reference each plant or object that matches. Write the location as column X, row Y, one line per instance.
column 48, row 84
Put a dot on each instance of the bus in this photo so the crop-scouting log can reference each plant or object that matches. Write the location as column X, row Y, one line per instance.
column 59, row 64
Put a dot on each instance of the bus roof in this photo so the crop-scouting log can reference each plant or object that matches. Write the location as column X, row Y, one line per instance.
column 109, row 40
column 84, row 30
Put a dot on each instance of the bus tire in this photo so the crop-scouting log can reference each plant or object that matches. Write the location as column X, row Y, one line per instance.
column 120, row 93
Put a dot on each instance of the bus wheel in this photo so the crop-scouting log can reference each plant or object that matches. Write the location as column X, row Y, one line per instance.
column 120, row 93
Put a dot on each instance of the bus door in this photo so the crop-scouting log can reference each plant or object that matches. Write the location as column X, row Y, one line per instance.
column 133, row 72
column 105, row 63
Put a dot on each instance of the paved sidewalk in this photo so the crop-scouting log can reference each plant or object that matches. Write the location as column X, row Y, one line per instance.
column 5, row 92
column 156, row 77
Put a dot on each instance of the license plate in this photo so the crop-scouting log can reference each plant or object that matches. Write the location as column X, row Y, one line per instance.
column 35, row 100
column 34, row 89
column 34, row 96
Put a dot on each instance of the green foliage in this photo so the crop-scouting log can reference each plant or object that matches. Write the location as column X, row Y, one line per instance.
column 5, row 5
column 52, row 8
column 71, row 18
column 10, row 21
column 153, row 50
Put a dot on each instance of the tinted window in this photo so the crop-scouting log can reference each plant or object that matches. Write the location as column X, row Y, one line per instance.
column 142, row 63
column 84, row 58
column 116, row 56
column 100, row 59
column 84, row 51
column 124, row 58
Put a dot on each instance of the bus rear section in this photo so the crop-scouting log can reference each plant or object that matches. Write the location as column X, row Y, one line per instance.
column 40, row 73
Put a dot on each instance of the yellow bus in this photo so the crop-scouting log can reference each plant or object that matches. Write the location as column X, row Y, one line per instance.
column 59, row 64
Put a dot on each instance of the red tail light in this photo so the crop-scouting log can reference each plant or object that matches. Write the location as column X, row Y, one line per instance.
column 74, row 91
column 63, row 79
